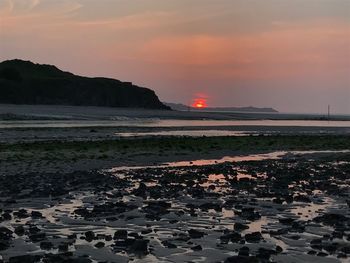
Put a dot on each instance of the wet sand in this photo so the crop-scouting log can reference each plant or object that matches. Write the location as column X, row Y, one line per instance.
column 84, row 195
column 271, row 208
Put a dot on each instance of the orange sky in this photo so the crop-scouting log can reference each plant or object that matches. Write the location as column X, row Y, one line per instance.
column 291, row 55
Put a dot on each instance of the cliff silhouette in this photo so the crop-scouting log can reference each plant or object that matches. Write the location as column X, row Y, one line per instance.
column 24, row 82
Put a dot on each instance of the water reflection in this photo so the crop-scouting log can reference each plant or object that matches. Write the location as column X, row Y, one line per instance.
column 144, row 122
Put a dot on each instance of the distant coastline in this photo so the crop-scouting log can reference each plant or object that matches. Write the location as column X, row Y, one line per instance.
column 182, row 107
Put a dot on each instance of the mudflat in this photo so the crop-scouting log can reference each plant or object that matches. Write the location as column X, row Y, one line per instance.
column 176, row 199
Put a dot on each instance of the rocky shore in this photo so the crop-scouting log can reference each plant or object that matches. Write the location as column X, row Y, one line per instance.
column 293, row 209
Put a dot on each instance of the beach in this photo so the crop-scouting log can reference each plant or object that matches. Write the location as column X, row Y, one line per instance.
column 99, row 191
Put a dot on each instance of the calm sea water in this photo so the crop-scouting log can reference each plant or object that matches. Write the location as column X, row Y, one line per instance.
column 169, row 123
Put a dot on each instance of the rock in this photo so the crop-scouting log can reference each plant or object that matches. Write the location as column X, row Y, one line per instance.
column 312, row 252
column 140, row 246
column 302, row 198
column 135, row 235
column 168, row 244
column 83, row 212
column 120, row 234
column 240, row 227
column 46, row 245
column 19, row 230
column 322, row 254
column 279, row 249
column 100, row 245
column 25, row 259
column 254, row 237
column 5, row 231
column 197, row 248
column 244, row 251
column 63, row 247
column 4, row 244
column 72, row 238
column 241, row 259
column 108, row 238
column 249, row 213
column 36, row 214
column 34, row 230
column 146, row 231
column 234, row 237
column 89, row 235
column 330, row 248
column 37, row 237
column 22, row 213
column 265, row 254
column 342, row 255
column 286, row 221
column 331, row 219
column 6, row 216
column 345, row 249
column 124, row 243
column 195, row 233
column 141, row 191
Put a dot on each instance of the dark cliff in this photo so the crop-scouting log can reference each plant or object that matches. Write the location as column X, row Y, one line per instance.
column 23, row 82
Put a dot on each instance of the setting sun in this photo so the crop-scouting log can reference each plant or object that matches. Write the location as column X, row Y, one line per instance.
column 199, row 103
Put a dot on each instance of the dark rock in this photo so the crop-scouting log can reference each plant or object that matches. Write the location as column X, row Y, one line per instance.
column 195, row 233
column 19, row 230
column 168, row 244
column 108, row 238
column 46, row 245
column 4, row 244
column 124, row 243
column 279, row 249
column 6, row 216
column 342, row 255
column 120, row 234
column 36, row 214
column 302, row 198
column 234, row 237
column 330, row 248
column 322, row 254
column 345, row 249
column 5, row 233
column 89, row 235
column 240, row 227
column 241, row 259
column 140, row 246
column 331, row 219
column 63, row 247
column 197, row 248
column 146, row 231
column 244, row 251
column 286, row 221
column 254, row 237
column 100, row 244
column 25, row 259
column 34, row 230
column 249, row 214
column 22, row 213
column 265, row 254
column 37, row 237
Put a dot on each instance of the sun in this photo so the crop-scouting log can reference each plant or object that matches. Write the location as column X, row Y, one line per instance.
column 199, row 103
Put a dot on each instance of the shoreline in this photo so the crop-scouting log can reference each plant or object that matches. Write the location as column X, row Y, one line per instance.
column 68, row 156
column 65, row 112
column 98, row 133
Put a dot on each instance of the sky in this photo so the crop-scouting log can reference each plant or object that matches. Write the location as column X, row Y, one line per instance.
column 292, row 55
